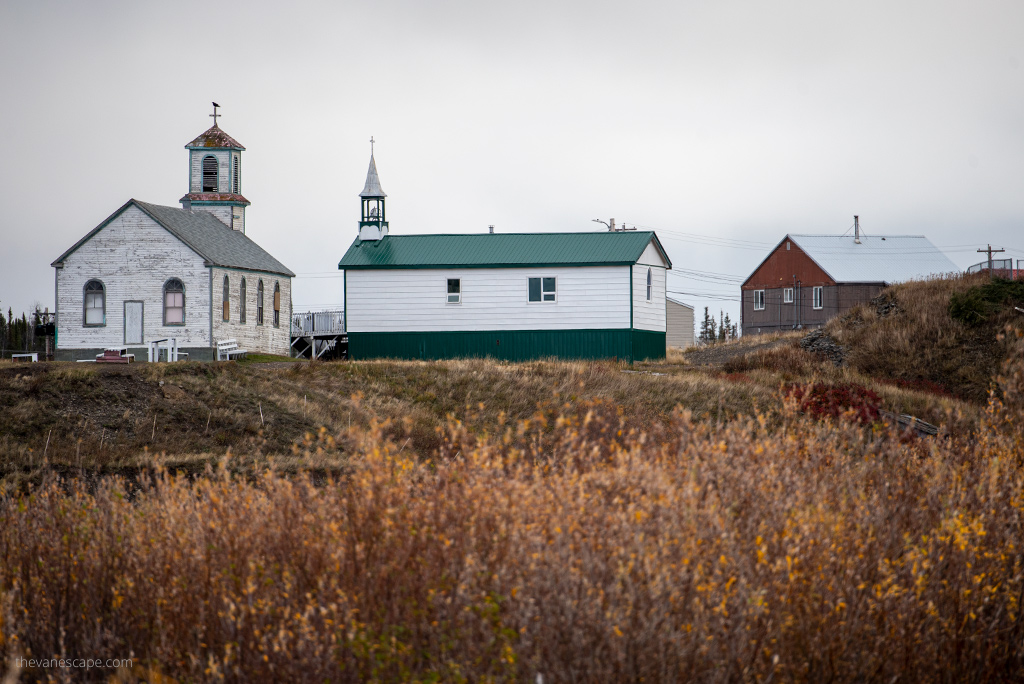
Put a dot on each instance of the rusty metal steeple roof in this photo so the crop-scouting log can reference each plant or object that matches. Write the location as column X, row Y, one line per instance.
column 215, row 138
column 372, row 187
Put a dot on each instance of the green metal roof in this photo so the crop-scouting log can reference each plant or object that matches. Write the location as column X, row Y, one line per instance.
column 500, row 250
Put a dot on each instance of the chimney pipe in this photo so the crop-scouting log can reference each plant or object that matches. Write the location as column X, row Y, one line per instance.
column 611, row 225
column 856, row 229
column 490, row 229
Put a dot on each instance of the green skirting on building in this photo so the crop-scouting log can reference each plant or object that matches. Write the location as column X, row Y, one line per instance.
column 509, row 345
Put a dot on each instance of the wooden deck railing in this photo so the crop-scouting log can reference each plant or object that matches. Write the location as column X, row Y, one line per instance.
column 318, row 323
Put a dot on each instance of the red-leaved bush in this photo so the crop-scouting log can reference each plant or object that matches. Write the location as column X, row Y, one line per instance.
column 830, row 401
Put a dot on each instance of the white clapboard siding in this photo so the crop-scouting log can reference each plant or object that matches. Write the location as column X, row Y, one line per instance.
column 133, row 257
column 652, row 257
column 251, row 336
column 590, row 298
column 649, row 315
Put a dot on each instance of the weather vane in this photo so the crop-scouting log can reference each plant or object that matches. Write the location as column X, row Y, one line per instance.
column 215, row 114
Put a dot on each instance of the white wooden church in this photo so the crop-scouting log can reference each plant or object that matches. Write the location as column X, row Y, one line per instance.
column 151, row 272
column 513, row 296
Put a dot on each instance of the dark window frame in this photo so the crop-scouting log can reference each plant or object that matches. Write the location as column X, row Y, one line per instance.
column 241, row 302
column 277, row 304
column 259, row 302
column 226, row 300
column 650, row 284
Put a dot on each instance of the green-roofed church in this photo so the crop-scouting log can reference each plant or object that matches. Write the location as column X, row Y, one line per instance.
column 515, row 296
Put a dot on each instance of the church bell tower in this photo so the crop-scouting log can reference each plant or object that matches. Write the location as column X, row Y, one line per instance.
column 215, row 176
column 373, row 225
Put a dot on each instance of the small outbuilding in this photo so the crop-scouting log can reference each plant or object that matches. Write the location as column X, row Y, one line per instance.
column 679, row 324
column 508, row 296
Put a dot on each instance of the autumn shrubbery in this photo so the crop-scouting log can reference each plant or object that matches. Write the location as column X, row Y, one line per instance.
column 567, row 544
column 832, row 401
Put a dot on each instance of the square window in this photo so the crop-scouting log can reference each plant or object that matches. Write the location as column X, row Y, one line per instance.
column 541, row 289
column 454, row 290
column 787, row 295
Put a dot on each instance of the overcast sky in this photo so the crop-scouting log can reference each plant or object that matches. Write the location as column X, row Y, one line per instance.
column 722, row 125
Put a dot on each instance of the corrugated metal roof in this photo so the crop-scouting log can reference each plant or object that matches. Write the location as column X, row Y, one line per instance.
column 500, row 250
column 372, row 187
column 877, row 259
column 214, row 137
column 205, row 235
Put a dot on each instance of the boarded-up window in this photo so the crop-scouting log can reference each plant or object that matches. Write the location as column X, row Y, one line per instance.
column 241, row 301
column 210, row 174
column 237, row 184
column 259, row 303
column 277, row 304
column 226, row 299
column 95, row 303
column 174, row 302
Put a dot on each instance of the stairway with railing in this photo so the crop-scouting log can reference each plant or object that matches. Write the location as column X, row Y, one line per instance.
column 319, row 334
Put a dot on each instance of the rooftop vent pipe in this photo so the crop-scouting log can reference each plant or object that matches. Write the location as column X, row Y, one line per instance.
column 490, row 229
column 856, row 229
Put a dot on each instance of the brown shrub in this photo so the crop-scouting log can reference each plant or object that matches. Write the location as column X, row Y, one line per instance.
column 565, row 544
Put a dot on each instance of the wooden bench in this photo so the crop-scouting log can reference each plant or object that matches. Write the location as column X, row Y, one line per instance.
column 115, row 355
column 32, row 356
column 228, row 350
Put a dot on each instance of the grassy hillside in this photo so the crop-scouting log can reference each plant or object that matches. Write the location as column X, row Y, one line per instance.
column 740, row 513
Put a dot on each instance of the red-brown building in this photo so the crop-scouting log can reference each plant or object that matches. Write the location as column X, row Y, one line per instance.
column 808, row 279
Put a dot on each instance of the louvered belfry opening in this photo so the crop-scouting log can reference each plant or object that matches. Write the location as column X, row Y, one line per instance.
column 210, row 174
column 237, row 184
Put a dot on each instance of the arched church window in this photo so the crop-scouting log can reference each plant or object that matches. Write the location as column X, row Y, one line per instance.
column 241, row 301
column 226, row 299
column 95, row 303
column 210, row 174
column 259, row 303
column 174, row 302
column 277, row 305
column 650, row 284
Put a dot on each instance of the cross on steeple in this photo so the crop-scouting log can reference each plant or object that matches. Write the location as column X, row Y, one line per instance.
column 215, row 114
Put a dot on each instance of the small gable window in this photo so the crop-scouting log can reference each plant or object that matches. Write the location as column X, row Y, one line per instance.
column 241, row 301
column 95, row 303
column 277, row 305
column 209, row 174
column 174, row 302
column 650, row 285
column 259, row 303
column 226, row 299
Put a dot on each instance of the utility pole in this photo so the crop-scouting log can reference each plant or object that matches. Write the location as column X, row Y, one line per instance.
column 990, row 251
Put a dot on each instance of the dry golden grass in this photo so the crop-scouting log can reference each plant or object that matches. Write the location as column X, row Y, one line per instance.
column 565, row 544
